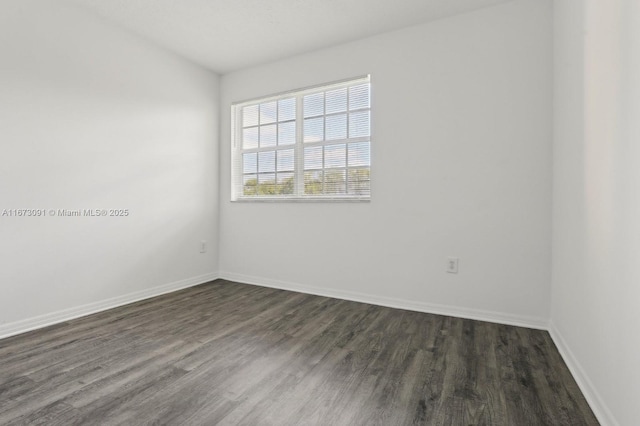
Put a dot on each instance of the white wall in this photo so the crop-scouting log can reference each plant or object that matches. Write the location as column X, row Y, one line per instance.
column 461, row 166
column 596, row 201
column 93, row 117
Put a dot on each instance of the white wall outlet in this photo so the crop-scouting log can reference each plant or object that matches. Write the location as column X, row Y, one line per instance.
column 452, row 265
column 203, row 246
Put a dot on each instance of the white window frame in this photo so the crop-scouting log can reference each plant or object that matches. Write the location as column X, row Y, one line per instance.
column 237, row 183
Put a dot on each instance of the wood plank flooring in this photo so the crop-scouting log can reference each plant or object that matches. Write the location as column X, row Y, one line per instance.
column 234, row 354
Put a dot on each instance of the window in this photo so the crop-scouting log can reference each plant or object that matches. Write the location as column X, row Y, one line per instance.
column 311, row 144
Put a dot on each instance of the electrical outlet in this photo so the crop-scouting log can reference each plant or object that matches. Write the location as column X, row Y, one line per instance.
column 452, row 265
column 203, row 246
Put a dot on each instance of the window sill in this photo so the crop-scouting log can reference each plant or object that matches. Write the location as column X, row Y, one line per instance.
column 303, row 200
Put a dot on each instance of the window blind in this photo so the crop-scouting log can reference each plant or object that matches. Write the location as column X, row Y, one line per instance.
column 309, row 144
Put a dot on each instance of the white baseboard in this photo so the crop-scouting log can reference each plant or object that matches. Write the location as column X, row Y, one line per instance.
column 597, row 404
column 410, row 305
column 41, row 321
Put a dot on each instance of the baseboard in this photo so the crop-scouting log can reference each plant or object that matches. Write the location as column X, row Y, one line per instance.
column 475, row 314
column 597, row 404
column 600, row 409
column 41, row 321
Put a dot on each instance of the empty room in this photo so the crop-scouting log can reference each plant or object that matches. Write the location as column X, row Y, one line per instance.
column 320, row 212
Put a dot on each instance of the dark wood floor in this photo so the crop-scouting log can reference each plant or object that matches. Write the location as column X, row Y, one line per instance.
column 227, row 353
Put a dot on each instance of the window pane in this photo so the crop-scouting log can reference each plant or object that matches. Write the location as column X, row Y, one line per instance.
column 287, row 133
column 314, row 104
column 336, row 127
column 250, row 186
column 313, row 183
column 335, row 156
column 359, row 154
column 250, row 163
column 285, row 160
column 313, row 158
column 335, row 182
column 359, row 181
column 285, row 184
column 267, row 161
column 250, row 116
column 359, row 96
column 359, row 124
column 287, row 109
column 314, row 129
column 268, row 135
column 267, row 184
column 336, row 100
column 268, row 112
column 250, row 138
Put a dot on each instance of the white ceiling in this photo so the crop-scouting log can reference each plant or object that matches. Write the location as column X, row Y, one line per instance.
column 226, row 35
